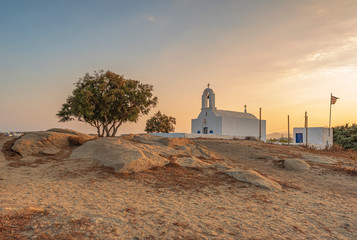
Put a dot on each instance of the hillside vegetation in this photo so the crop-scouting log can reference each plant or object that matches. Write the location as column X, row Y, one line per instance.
column 346, row 136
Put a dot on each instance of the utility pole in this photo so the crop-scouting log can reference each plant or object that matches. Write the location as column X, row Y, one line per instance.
column 288, row 130
column 260, row 123
column 333, row 100
column 329, row 123
column 306, row 127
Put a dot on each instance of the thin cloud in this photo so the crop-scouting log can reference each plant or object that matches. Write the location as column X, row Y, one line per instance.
column 150, row 18
column 334, row 51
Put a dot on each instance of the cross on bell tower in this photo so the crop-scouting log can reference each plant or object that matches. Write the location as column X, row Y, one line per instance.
column 208, row 85
column 245, row 108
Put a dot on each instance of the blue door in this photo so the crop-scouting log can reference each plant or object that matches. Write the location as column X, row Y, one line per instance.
column 299, row 138
column 205, row 130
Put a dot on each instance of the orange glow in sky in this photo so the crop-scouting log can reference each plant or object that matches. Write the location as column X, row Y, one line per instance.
column 284, row 56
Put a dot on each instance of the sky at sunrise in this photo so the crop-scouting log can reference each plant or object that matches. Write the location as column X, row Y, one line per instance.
column 283, row 56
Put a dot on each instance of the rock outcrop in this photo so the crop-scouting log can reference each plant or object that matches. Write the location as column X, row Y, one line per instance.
column 265, row 157
column 123, row 156
column 192, row 162
column 221, row 166
column 131, row 153
column 83, row 136
column 296, row 165
column 171, row 146
column 51, row 150
column 319, row 159
column 136, row 153
column 47, row 142
column 254, row 178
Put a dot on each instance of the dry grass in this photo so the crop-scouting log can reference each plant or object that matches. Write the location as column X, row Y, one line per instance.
column 288, row 185
column 31, row 221
column 10, row 154
column 279, row 163
column 337, row 168
column 176, row 187
column 76, row 140
column 69, row 230
column 12, row 225
column 349, row 165
column 172, row 177
column 336, row 151
column 176, row 178
column 16, row 164
column 211, row 160
column 62, row 236
column 260, row 197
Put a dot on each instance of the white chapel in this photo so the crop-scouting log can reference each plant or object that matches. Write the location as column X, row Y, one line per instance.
column 222, row 122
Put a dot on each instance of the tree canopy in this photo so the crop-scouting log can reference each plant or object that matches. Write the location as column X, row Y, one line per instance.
column 160, row 123
column 106, row 100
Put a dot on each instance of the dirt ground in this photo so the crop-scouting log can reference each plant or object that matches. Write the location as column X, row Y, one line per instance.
column 59, row 198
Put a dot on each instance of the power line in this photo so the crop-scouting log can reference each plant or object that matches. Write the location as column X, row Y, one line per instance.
column 298, row 120
column 317, row 119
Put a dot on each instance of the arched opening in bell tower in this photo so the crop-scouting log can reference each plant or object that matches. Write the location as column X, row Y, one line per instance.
column 207, row 103
column 208, row 99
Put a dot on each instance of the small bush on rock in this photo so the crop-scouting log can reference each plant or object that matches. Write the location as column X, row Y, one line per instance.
column 76, row 141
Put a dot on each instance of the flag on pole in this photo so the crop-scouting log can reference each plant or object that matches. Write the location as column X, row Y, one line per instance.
column 333, row 99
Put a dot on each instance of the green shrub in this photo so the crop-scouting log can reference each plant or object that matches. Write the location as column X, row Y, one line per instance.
column 346, row 136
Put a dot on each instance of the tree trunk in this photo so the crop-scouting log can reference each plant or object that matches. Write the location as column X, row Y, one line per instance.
column 109, row 132
column 103, row 129
column 98, row 131
column 115, row 130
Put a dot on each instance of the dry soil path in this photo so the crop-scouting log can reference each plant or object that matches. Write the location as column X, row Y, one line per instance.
column 3, row 139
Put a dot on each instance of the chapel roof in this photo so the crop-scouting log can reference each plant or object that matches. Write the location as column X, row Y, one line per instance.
column 234, row 114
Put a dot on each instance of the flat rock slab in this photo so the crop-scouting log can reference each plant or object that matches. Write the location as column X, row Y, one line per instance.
column 265, row 157
column 221, row 167
column 124, row 156
column 254, row 178
column 171, row 146
column 296, row 165
column 29, row 159
column 85, row 137
column 319, row 159
column 192, row 162
column 51, row 151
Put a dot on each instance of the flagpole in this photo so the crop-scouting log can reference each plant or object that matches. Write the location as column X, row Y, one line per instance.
column 329, row 125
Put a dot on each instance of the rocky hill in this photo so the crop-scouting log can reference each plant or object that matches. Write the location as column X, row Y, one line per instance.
column 61, row 184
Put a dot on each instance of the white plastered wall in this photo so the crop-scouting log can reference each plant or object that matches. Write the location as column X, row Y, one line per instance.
column 213, row 123
column 318, row 135
column 243, row 127
column 328, row 138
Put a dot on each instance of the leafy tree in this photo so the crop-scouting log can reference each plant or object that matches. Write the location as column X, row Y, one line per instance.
column 106, row 100
column 346, row 136
column 160, row 123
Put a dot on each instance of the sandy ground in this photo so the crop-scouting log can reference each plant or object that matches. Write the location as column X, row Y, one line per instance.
column 58, row 198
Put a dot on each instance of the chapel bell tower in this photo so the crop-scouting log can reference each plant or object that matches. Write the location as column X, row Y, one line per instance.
column 208, row 99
